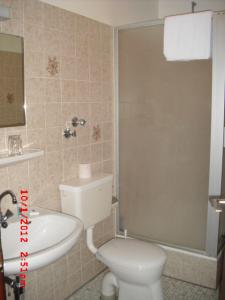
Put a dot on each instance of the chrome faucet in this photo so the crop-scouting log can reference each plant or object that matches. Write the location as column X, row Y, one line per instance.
column 8, row 214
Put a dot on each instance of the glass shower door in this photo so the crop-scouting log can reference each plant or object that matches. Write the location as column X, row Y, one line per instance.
column 164, row 141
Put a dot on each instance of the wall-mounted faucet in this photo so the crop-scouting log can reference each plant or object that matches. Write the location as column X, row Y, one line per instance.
column 8, row 214
column 75, row 122
column 68, row 133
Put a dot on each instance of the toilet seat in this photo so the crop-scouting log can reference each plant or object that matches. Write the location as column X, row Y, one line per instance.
column 132, row 259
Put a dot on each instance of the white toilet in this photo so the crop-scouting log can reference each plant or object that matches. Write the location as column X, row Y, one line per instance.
column 136, row 266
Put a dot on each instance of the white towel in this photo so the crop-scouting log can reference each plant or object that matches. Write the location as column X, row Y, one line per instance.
column 188, row 37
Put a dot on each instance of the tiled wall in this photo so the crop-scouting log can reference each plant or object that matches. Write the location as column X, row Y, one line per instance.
column 194, row 268
column 68, row 72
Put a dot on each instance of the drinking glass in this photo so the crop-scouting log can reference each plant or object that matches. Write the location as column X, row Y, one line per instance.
column 14, row 145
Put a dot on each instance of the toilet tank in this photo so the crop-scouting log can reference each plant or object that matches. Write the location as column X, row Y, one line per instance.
column 90, row 200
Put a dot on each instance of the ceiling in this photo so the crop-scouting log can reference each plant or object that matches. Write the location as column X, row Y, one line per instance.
column 112, row 12
column 121, row 12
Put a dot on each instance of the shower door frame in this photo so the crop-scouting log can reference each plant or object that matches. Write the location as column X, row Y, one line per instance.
column 217, row 122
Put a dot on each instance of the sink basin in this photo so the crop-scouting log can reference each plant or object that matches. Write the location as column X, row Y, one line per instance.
column 51, row 235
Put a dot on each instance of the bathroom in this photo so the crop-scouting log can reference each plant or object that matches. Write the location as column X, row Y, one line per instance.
column 90, row 110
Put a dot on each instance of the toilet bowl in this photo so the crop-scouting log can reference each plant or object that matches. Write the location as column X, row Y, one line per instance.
column 136, row 266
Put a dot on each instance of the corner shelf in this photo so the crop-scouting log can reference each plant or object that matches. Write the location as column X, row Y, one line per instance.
column 6, row 160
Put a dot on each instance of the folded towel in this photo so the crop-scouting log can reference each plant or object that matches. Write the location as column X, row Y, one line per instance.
column 188, row 37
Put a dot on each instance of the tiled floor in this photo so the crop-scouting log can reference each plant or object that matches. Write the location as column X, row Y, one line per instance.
column 173, row 290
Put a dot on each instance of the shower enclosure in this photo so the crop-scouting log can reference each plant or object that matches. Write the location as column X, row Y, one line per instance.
column 170, row 118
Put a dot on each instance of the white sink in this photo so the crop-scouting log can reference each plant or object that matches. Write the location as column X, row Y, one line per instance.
column 50, row 235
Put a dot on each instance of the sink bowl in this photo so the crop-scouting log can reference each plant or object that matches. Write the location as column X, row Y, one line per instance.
column 50, row 236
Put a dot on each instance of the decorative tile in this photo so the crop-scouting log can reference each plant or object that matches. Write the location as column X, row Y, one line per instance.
column 10, row 98
column 53, row 66
column 96, row 135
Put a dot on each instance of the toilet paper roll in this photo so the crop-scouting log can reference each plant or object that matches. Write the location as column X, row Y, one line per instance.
column 84, row 171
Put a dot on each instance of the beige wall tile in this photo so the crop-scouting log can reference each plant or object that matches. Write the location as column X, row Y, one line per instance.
column 67, row 43
column 67, row 21
column 106, row 72
column 82, row 25
column 86, row 255
column 96, row 167
column 36, row 138
column 81, row 39
column 83, row 140
column 98, row 231
column 37, row 193
column 73, row 262
column 53, row 197
column 33, row 64
column 59, row 269
column 84, row 111
column 95, row 49
column 107, row 91
column 33, row 12
column 54, row 167
column 68, row 90
column 83, row 131
column 199, row 270
column 18, row 176
column 52, row 90
column 75, row 281
column 52, row 42
column 32, row 291
column 107, row 131
column 34, row 37
column 96, row 152
column 108, row 166
column 38, row 171
column 97, row 112
column 95, row 70
column 53, row 112
column 82, row 68
column 106, row 40
column 82, row 91
column 84, row 154
column 53, row 139
column 61, row 290
column 99, row 266
column 35, row 90
column 70, row 163
column 69, row 143
column 107, row 150
column 107, row 111
column 4, row 179
column 69, row 110
column 95, row 92
column 88, row 270
column 68, row 67
column 51, row 16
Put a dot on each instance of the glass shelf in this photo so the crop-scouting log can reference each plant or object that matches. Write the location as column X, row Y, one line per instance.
column 6, row 160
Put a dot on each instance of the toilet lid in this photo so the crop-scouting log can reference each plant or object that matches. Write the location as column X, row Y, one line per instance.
column 132, row 253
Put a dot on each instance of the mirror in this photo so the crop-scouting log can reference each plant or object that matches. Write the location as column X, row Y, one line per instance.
column 11, row 81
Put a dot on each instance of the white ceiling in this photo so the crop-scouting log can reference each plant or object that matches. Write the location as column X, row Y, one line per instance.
column 112, row 12
column 120, row 12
